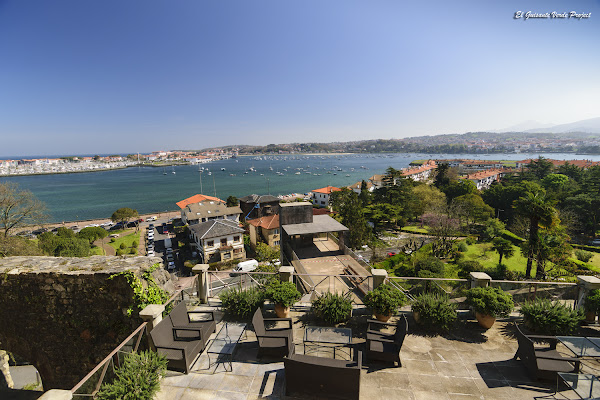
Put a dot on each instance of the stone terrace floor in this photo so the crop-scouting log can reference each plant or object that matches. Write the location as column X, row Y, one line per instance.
column 469, row 363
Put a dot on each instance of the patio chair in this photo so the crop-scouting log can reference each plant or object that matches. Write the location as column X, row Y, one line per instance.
column 544, row 362
column 180, row 317
column 386, row 346
column 319, row 377
column 276, row 342
column 180, row 345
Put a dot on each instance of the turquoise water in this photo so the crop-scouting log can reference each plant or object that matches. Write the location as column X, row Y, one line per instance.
column 80, row 196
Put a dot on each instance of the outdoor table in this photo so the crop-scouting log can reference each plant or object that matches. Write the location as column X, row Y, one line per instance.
column 225, row 342
column 586, row 386
column 581, row 346
column 336, row 338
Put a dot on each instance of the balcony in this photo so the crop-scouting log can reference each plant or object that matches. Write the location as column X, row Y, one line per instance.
column 466, row 363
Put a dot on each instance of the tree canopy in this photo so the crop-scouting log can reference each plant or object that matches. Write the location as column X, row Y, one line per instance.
column 124, row 215
column 19, row 208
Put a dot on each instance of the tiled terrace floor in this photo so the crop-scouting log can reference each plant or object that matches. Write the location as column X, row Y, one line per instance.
column 469, row 364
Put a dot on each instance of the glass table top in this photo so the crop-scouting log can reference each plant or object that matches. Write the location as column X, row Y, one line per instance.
column 585, row 385
column 581, row 346
column 328, row 335
column 227, row 338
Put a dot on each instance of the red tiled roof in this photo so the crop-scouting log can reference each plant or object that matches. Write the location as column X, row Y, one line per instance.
column 416, row 170
column 327, row 190
column 198, row 198
column 485, row 174
column 270, row 222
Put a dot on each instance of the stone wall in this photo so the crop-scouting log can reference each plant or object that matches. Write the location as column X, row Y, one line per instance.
column 64, row 315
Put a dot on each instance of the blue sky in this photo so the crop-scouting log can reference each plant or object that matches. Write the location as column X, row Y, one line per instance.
column 141, row 75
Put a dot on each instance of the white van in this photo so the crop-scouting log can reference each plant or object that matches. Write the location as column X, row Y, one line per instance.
column 245, row 266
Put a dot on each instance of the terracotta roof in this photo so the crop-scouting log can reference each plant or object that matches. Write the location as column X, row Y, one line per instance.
column 270, row 222
column 358, row 185
column 485, row 174
column 196, row 199
column 327, row 190
column 429, row 165
column 557, row 163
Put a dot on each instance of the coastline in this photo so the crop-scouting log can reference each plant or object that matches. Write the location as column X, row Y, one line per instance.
column 92, row 170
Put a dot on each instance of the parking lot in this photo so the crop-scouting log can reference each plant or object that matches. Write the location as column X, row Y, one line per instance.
column 160, row 250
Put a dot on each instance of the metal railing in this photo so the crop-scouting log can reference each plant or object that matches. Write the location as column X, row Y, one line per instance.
column 222, row 280
column 89, row 386
column 348, row 251
column 315, row 285
column 413, row 286
column 522, row 291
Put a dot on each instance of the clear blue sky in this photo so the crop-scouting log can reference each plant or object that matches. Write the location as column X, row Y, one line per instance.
column 83, row 76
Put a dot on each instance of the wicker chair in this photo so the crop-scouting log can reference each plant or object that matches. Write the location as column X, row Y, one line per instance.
column 180, row 317
column 277, row 342
column 546, row 362
column 180, row 345
column 383, row 346
column 320, row 377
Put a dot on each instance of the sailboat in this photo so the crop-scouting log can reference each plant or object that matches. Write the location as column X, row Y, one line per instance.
column 173, row 172
column 164, row 171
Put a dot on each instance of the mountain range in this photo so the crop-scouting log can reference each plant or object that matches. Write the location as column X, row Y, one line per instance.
column 591, row 125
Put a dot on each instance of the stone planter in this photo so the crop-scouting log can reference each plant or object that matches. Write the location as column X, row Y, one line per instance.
column 281, row 311
column 590, row 317
column 485, row 320
column 417, row 317
column 382, row 318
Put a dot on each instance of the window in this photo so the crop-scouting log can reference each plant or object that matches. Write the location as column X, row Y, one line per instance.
column 210, row 243
column 236, row 238
column 224, row 242
column 323, row 202
column 276, row 231
column 237, row 251
column 276, row 243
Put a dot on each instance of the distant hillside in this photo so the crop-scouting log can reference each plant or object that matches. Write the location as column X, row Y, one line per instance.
column 591, row 125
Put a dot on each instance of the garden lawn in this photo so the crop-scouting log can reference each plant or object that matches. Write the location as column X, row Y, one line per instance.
column 594, row 262
column 414, row 229
column 127, row 239
column 482, row 253
column 96, row 251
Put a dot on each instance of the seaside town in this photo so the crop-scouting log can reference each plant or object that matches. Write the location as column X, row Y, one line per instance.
column 299, row 200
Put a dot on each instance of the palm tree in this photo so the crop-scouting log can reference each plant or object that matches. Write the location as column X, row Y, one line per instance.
column 540, row 212
column 503, row 247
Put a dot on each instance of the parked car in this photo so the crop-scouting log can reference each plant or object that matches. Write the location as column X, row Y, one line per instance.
column 151, row 235
column 169, row 250
column 40, row 231
column 170, row 257
column 150, row 253
column 152, row 218
column 244, row 266
column 170, row 265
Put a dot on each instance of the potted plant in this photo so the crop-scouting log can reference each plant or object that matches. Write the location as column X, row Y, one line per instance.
column 489, row 303
column 434, row 311
column 385, row 301
column 551, row 317
column 284, row 295
column 333, row 308
column 592, row 305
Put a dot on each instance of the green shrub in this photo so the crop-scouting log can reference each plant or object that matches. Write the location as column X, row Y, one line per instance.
column 432, row 264
column 492, row 301
column 120, row 252
column 583, row 255
column 435, row 311
column 592, row 301
column 462, row 247
column 122, row 246
column 134, row 243
column 138, row 378
column 333, row 308
column 551, row 318
column 466, row 267
column 112, row 240
column 242, row 303
column 385, row 300
column 133, row 250
column 470, row 240
column 284, row 293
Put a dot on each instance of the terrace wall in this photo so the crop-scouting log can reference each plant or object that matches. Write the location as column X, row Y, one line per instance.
column 64, row 315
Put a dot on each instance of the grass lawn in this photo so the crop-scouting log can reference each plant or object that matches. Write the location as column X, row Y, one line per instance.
column 96, row 251
column 126, row 238
column 595, row 262
column 482, row 253
column 414, row 229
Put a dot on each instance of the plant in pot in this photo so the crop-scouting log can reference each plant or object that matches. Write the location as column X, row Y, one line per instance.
column 385, row 301
column 489, row 303
column 434, row 311
column 284, row 295
column 333, row 308
column 592, row 305
column 551, row 317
